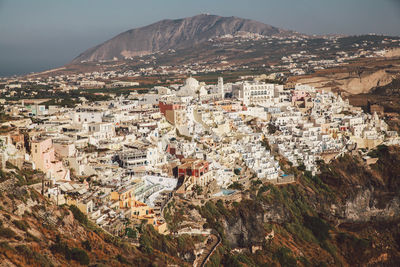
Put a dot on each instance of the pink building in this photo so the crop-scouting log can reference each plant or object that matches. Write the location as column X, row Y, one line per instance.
column 299, row 95
column 43, row 156
column 301, row 91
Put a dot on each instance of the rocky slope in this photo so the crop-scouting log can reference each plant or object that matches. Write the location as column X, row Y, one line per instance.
column 173, row 34
column 348, row 215
column 35, row 232
column 356, row 78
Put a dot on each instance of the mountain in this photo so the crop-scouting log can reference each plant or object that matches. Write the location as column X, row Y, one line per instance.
column 174, row 34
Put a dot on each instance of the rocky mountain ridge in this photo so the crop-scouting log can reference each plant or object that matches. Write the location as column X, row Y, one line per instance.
column 174, row 34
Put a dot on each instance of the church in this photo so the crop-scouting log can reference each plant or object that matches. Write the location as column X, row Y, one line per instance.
column 193, row 88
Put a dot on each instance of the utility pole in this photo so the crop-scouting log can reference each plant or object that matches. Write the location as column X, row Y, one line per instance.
column 43, row 185
column 57, row 195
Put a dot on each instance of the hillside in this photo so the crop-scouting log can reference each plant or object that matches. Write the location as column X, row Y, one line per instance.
column 173, row 34
column 348, row 215
column 361, row 76
column 35, row 232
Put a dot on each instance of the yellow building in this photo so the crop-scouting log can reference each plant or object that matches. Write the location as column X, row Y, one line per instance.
column 125, row 196
column 141, row 211
column 84, row 205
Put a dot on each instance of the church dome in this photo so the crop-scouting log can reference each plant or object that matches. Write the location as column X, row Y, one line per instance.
column 191, row 82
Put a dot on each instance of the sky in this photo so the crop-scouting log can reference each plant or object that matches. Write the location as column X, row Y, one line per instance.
column 37, row 35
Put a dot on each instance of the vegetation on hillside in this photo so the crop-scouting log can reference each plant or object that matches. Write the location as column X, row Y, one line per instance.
column 307, row 219
column 306, row 231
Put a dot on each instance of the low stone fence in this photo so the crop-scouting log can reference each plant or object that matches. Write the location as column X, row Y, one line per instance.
column 8, row 185
column 235, row 197
column 283, row 179
column 193, row 231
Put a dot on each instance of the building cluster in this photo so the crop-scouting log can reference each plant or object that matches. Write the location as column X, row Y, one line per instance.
column 123, row 159
column 301, row 55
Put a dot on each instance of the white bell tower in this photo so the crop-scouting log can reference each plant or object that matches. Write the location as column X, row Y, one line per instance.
column 221, row 87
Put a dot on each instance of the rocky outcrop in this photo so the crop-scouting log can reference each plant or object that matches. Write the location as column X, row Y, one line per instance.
column 350, row 209
column 360, row 77
column 365, row 81
column 356, row 82
column 245, row 231
column 364, row 207
column 395, row 52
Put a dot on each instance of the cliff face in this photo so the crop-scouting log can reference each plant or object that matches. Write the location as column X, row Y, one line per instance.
column 173, row 34
column 358, row 77
column 365, row 193
column 364, row 208
column 349, row 214
column 366, row 81
column 351, row 82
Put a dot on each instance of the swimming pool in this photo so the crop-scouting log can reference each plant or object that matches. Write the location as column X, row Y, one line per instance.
column 227, row 192
column 224, row 192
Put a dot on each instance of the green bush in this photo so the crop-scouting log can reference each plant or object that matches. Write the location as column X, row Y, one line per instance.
column 5, row 246
column 318, row 227
column 298, row 230
column 61, row 248
column 151, row 240
column 378, row 151
column 80, row 256
column 4, row 176
column 86, row 245
column 122, row 259
column 7, row 232
column 29, row 238
column 22, row 225
column 131, row 233
column 33, row 256
column 285, row 258
column 353, row 241
column 76, row 254
column 78, row 215
column 301, row 167
column 236, row 186
column 232, row 261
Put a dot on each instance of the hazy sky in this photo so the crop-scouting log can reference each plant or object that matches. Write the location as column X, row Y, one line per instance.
column 40, row 34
